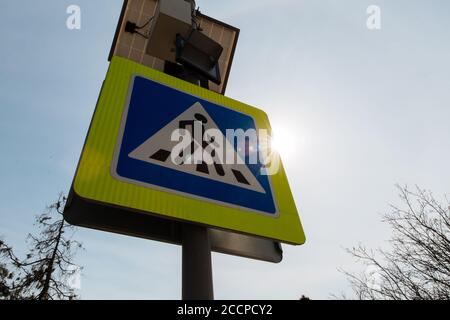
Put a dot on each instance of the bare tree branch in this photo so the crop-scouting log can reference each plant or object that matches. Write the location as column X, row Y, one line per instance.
column 43, row 274
column 417, row 267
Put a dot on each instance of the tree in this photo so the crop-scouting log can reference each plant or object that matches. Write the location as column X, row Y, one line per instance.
column 7, row 276
column 46, row 269
column 417, row 266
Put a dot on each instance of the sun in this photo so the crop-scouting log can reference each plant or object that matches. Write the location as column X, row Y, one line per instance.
column 287, row 141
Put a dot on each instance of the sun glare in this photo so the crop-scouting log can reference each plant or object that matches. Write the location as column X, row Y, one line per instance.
column 287, row 141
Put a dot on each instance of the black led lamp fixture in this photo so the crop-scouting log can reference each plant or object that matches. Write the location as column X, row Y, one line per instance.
column 200, row 54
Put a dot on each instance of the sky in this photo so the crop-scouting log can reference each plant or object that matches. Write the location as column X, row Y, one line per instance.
column 363, row 110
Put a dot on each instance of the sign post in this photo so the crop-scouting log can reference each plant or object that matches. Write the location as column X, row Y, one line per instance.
column 197, row 278
column 196, row 265
column 140, row 173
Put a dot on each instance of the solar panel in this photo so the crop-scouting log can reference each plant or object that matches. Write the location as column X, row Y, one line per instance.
column 133, row 46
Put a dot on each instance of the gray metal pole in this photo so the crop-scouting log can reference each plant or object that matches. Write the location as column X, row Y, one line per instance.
column 197, row 280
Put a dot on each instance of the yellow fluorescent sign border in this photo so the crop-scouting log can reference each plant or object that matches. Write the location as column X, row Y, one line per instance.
column 93, row 180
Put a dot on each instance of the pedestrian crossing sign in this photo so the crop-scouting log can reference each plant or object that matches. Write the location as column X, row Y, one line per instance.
column 161, row 146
